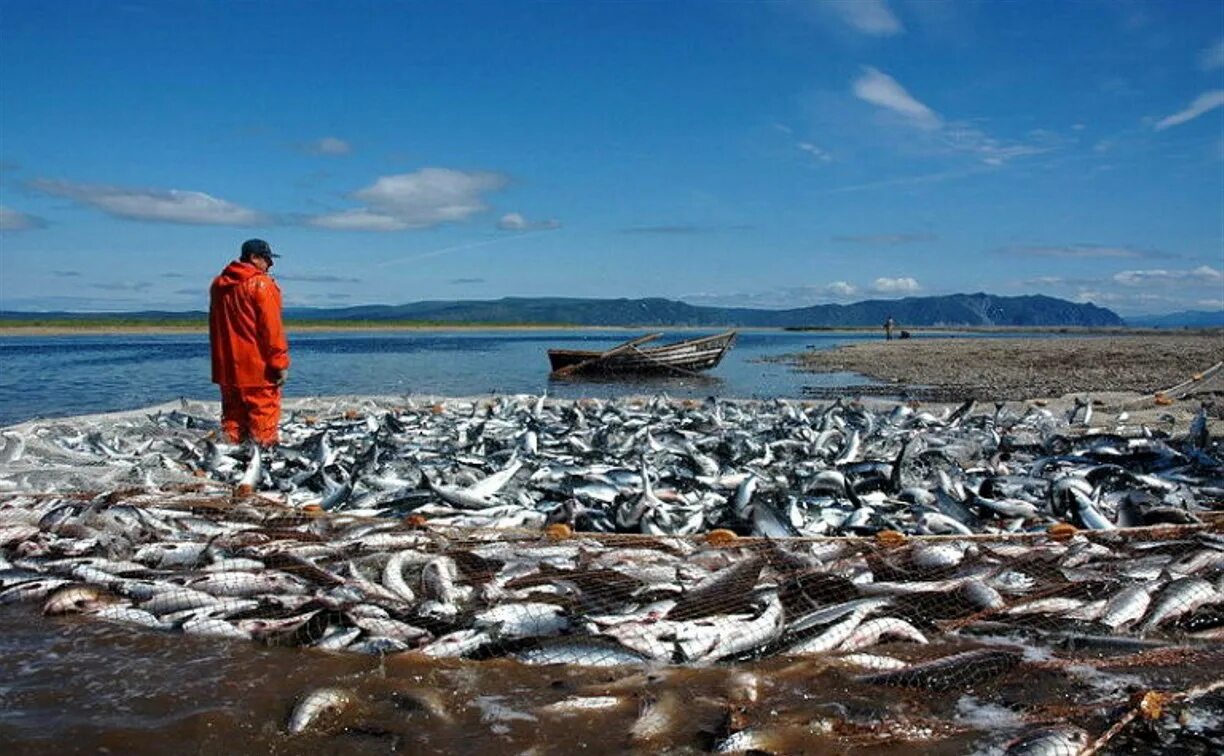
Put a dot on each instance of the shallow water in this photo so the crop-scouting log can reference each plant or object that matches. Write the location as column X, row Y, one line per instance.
column 57, row 376
column 51, row 376
column 73, row 685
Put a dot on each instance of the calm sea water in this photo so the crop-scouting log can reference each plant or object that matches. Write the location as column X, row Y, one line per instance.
column 47, row 376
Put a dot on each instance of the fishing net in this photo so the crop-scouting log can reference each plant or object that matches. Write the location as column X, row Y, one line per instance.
column 1021, row 632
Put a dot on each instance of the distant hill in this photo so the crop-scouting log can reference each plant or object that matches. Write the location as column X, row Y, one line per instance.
column 1187, row 319
column 952, row 310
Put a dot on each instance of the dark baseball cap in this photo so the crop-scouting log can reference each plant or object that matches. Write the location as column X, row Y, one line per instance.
column 257, row 247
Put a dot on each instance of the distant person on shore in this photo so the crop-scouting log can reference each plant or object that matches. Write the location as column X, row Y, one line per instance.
column 250, row 354
column 889, row 325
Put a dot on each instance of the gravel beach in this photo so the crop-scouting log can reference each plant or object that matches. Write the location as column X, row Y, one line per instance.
column 1018, row 369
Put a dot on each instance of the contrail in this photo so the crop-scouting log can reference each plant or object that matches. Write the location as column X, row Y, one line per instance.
column 456, row 248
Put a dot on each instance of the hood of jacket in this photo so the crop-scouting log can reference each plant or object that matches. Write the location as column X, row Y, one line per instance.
column 237, row 272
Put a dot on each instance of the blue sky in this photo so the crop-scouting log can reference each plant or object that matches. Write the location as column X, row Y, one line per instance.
column 773, row 154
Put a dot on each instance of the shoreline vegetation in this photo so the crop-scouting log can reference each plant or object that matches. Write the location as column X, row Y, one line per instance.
column 120, row 325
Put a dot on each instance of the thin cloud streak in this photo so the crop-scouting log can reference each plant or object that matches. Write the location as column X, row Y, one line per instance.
column 13, row 220
column 516, row 222
column 308, row 278
column 1081, row 251
column 329, row 146
column 676, row 229
column 926, row 178
column 455, row 248
column 122, row 286
column 154, row 205
column 887, row 239
column 814, row 151
column 685, row 228
column 885, row 92
column 1204, row 103
column 871, row 17
column 1213, row 57
column 882, row 90
column 1203, row 275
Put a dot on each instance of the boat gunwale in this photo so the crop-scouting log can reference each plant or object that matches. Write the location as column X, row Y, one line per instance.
column 702, row 353
column 650, row 351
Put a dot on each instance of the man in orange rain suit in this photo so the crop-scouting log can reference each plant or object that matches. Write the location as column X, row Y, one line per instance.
column 250, row 355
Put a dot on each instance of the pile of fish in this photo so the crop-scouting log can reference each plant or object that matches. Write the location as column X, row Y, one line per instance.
column 658, row 467
column 384, row 586
column 647, row 535
column 948, row 615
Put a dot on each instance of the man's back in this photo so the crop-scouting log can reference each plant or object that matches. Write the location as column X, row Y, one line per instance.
column 244, row 327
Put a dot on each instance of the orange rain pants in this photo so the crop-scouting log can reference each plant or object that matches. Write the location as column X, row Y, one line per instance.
column 251, row 412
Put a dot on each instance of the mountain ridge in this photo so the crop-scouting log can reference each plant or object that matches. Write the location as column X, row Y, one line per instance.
column 977, row 309
column 1183, row 319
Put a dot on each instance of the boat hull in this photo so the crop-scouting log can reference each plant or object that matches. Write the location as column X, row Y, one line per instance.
column 685, row 356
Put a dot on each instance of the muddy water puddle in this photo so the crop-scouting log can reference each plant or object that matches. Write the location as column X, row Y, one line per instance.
column 79, row 686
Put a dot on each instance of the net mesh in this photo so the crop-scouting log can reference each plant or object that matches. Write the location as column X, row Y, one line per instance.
column 1025, row 631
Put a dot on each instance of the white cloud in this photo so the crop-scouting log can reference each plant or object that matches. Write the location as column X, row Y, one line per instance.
column 1213, row 57
column 1204, row 103
column 361, row 219
column 942, row 136
column 516, row 222
column 1043, row 281
column 882, row 90
column 841, row 289
column 1204, row 274
column 1129, row 298
column 872, row 17
column 814, row 151
column 512, row 222
column 895, row 285
column 164, row 206
column 428, row 197
column 329, row 146
column 12, row 220
column 783, row 297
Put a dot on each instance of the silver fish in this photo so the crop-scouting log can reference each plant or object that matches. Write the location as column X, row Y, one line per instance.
column 315, row 706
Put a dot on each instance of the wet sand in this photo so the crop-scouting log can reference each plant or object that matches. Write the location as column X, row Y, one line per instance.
column 1019, row 369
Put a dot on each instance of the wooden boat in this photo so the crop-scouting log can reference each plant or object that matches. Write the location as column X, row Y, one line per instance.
column 687, row 356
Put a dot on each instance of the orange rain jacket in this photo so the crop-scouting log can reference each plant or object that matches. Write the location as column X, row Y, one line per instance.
column 244, row 327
